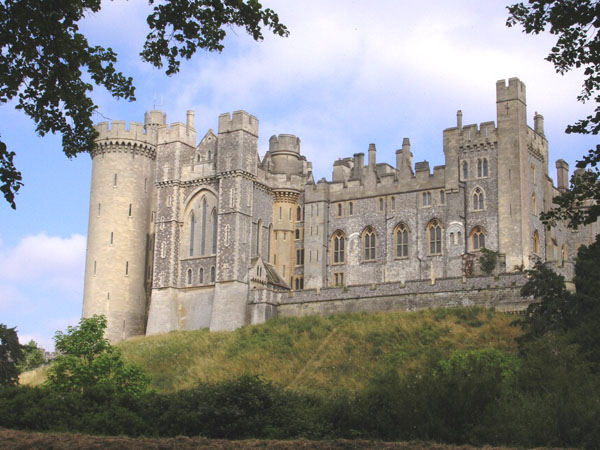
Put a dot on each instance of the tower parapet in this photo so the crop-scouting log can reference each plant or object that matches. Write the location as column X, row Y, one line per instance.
column 238, row 121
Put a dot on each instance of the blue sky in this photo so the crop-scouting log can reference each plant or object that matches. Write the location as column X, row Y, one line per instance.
column 350, row 73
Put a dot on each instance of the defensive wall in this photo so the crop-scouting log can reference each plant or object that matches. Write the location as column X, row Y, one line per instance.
column 501, row 292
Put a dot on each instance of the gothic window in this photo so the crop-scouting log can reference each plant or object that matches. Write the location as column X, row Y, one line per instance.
column 536, row 242
column 192, row 232
column 477, row 238
column 401, row 235
column 434, row 235
column 339, row 247
column 201, row 276
column 189, row 276
column 485, row 167
column 478, row 199
column 203, row 236
column 426, row 198
column 465, row 170
column 482, row 168
column 212, row 274
column 298, row 214
column 351, row 209
column 369, row 244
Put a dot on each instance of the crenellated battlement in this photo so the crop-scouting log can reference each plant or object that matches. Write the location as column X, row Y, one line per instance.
column 177, row 131
column 284, row 143
column 118, row 130
column 238, row 121
column 515, row 90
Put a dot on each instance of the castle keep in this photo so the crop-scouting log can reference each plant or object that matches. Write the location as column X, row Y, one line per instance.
column 187, row 235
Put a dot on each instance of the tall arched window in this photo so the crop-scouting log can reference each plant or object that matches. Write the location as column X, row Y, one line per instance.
column 479, row 168
column 478, row 199
column 350, row 208
column 298, row 214
column 201, row 276
column 465, row 168
column 269, row 243
column 192, row 231
column 212, row 274
column 189, row 276
column 401, row 234
column 339, row 210
column 203, row 237
column 536, row 242
column 369, row 244
column 338, row 242
column 434, row 235
column 477, row 238
column 485, row 167
column 258, row 237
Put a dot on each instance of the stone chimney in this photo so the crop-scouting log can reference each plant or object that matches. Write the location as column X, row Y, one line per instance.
column 372, row 158
column 562, row 175
column 538, row 124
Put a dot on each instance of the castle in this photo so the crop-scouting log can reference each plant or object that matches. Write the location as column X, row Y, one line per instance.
column 185, row 235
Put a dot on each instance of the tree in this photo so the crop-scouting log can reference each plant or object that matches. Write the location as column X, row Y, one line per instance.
column 45, row 61
column 32, row 357
column 10, row 355
column 87, row 360
column 576, row 24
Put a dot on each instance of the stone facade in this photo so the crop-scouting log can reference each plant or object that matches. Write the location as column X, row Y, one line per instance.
column 186, row 236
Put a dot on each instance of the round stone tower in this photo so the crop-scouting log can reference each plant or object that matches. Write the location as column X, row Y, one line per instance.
column 120, row 232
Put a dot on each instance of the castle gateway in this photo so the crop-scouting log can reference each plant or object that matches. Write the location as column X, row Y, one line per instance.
column 186, row 236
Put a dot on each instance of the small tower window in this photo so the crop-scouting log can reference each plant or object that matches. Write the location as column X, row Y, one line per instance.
column 126, row 267
column 393, row 203
column 99, row 209
column 189, row 276
column 485, row 166
column 380, row 204
column 339, row 210
column 94, row 267
column 201, row 275
column 465, row 172
column 536, row 242
column 130, row 210
column 351, row 209
column 111, row 238
column 115, row 181
column 212, row 274
column 442, row 197
column 298, row 214
column 478, row 199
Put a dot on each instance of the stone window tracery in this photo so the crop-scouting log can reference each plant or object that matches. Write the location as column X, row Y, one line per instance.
column 434, row 235
column 369, row 244
column 478, row 199
column 426, row 198
column 401, row 235
column 339, row 247
column 477, row 238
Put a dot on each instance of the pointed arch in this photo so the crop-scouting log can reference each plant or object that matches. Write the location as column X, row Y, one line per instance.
column 338, row 244
column 434, row 237
column 478, row 199
column 401, row 240
column 369, row 241
column 477, row 238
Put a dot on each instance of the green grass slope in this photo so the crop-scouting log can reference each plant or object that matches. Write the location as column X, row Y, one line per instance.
column 319, row 354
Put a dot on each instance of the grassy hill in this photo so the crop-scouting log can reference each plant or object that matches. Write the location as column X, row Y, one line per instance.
column 319, row 354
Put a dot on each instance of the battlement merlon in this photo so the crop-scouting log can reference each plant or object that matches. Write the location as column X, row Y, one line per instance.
column 284, row 143
column 177, row 132
column 118, row 130
column 238, row 121
column 514, row 91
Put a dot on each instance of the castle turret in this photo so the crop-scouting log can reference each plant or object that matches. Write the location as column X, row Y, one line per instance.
column 118, row 261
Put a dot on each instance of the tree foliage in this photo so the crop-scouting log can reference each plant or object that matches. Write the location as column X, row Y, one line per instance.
column 10, row 355
column 45, row 60
column 88, row 361
column 32, row 356
column 575, row 23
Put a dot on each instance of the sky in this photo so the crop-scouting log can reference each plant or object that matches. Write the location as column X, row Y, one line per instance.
column 350, row 73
